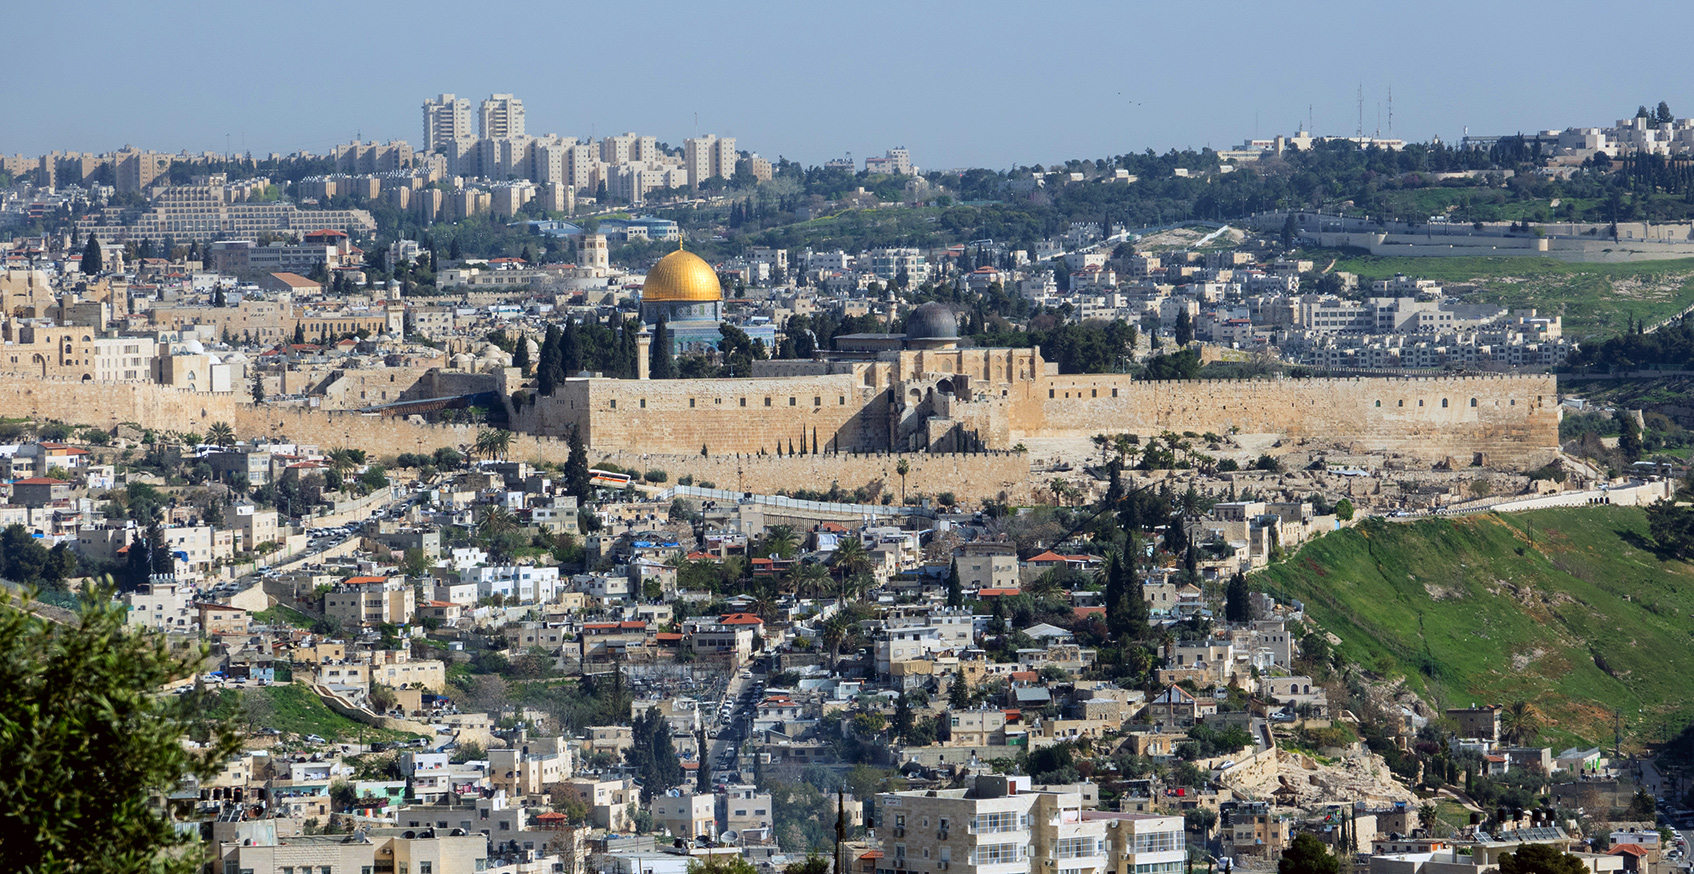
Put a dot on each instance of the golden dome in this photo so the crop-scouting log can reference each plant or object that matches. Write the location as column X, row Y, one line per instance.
column 681, row 276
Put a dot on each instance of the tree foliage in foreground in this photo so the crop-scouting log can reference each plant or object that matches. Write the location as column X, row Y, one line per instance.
column 89, row 742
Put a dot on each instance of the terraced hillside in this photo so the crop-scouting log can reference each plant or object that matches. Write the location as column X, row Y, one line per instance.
column 1568, row 609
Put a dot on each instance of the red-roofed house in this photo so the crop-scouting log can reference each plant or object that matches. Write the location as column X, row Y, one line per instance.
column 722, row 640
column 39, row 491
column 1634, row 856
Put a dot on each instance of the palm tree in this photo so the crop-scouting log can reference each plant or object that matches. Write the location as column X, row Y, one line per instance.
column 780, row 541
column 902, row 467
column 853, row 586
column 493, row 444
column 501, row 443
column 851, row 558
column 1520, row 723
column 1190, row 502
column 221, row 434
column 808, row 578
column 496, row 521
column 833, row 635
column 342, row 462
column 1043, row 586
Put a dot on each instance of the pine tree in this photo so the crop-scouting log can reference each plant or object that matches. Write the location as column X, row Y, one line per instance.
column 91, row 257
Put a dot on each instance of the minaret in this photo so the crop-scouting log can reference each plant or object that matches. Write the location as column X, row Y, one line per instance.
column 840, row 826
column 644, row 360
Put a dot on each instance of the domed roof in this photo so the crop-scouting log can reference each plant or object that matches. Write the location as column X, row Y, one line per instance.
column 681, row 276
column 932, row 321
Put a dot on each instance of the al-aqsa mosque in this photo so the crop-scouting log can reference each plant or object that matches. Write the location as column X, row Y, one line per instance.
column 684, row 291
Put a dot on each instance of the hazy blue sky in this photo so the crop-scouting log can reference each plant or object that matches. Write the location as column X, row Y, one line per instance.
column 984, row 83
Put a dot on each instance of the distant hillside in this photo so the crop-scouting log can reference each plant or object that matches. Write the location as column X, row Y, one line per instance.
column 1583, row 619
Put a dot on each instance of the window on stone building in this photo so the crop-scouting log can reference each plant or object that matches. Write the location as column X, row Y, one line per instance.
column 767, row 402
column 691, row 403
column 1420, row 402
column 1093, row 392
column 793, row 402
column 643, row 403
column 1379, row 403
column 817, row 401
column 1114, row 392
column 614, row 403
column 1049, row 394
column 1473, row 402
column 744, row 402
column 1443, row 403
column 842, row 402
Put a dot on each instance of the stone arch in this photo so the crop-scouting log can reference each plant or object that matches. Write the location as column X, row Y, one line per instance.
column 87, row 378
column 40, row 361
column 915, row 396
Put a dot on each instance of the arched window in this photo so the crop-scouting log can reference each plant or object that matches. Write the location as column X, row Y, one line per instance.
column 1473, row 402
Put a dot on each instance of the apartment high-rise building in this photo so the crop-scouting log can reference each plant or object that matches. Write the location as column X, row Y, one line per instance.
column 445, row 119
column 1000, row 826
column 136, row 170
column 501, row 116
column 629, row 147
column 708, row 156
column 583, row 169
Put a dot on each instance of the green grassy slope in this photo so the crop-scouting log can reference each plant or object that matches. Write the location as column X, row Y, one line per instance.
column 1585, row 619
column 295, row 709
column 1595, row 299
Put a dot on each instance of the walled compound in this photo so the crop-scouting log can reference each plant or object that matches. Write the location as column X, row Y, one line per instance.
column 959, row 416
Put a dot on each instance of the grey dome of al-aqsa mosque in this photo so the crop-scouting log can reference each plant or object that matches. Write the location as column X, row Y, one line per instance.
column 932, row 326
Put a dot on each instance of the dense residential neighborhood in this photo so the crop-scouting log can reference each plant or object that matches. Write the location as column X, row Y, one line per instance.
column 544, row 504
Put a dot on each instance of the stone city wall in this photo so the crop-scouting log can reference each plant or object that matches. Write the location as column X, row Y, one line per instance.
column 108, row 404
column 1513, row 419
column 723, row 415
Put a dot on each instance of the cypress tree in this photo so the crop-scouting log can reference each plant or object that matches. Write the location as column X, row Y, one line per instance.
column 91, row 258
column 576, row 469
column 1115, row 608
column 1237, row 607
column 520, row 356
column 661, row 365
column 550, row 369
column 955, row 588
column 570, row 347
